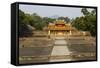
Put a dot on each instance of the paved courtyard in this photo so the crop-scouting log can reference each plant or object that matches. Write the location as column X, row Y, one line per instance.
column 37, row 50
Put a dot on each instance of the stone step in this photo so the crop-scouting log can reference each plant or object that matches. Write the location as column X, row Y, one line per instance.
column 59, row 60
column 60, row 37
column 60, row 42
column 59, row 51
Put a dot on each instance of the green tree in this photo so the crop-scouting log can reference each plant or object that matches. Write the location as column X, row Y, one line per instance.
column 86, row 22
column 23, row 22
column 65, row 19
column 85, row 11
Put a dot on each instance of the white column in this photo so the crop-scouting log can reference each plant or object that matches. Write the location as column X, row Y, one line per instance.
column 49, row 33
column 70, row 32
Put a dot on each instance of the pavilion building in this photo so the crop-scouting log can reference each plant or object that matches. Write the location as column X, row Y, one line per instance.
column 60, row 28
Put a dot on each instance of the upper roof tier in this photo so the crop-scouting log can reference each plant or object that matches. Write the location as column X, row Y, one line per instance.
column 59, row 25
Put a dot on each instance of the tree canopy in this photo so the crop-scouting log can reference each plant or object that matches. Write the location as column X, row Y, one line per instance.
column 87, row 22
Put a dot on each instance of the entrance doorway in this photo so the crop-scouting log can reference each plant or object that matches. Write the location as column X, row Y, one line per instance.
column 60, row 33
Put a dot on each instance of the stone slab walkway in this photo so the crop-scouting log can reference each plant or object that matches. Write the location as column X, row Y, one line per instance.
column 60, row 48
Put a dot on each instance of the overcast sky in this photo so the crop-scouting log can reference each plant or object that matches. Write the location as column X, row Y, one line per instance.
column 49, row 11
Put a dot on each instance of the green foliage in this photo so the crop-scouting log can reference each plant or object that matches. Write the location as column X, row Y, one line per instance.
column 86, row 22
column 65, row 19
column 23, row 22
column 33, row 20
column 85, row 11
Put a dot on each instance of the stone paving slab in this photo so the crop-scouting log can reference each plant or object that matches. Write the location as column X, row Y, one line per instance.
column 60, row 50
column 59, row 60
column 60, row 42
